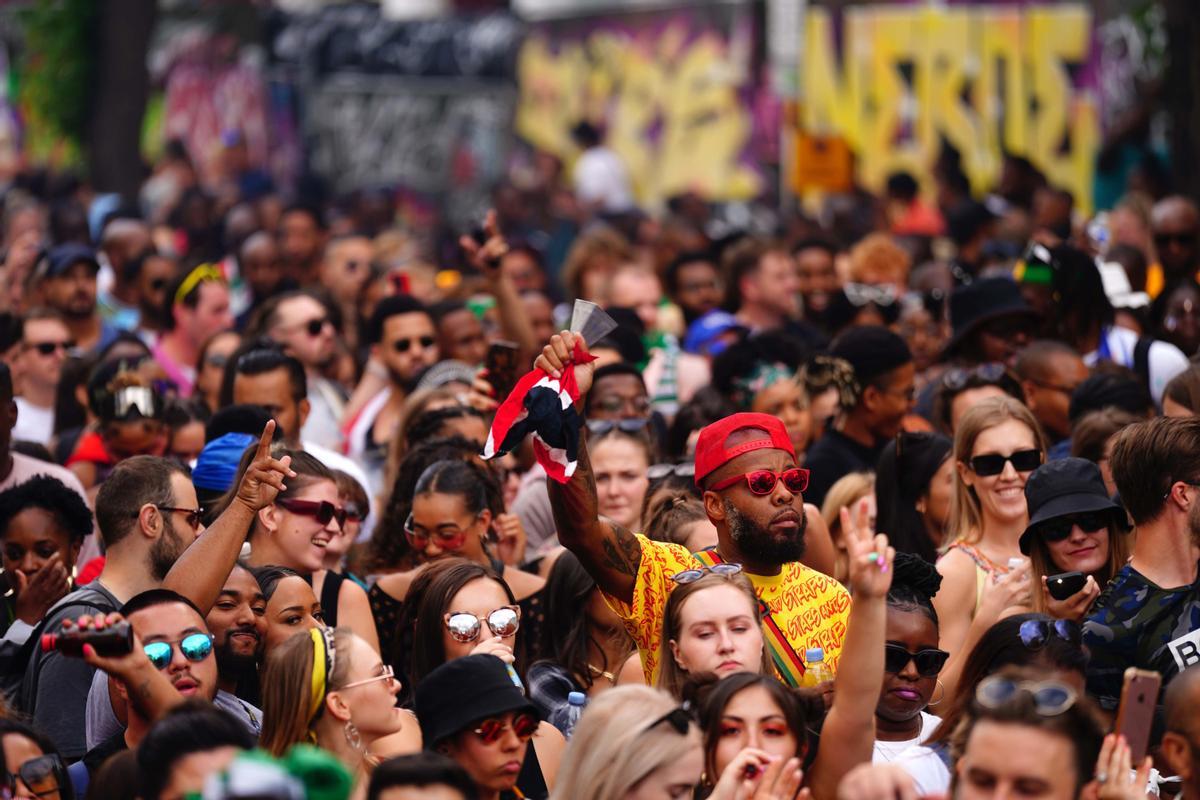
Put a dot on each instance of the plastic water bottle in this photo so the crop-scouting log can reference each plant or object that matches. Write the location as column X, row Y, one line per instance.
column 575, row 703
column 816, row 671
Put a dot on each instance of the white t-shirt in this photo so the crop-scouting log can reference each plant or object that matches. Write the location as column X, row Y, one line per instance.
column 1165, row 360
column 929, row 773
column 34, row 423
column 887, row 752
column 601, row 177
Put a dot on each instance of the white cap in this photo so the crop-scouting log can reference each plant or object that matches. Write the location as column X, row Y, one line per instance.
column 1116, row 286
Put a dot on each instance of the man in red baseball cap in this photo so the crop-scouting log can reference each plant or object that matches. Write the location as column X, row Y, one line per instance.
column 753, row 494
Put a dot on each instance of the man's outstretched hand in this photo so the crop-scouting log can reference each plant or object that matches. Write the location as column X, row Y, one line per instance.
column 486, row 257
column 560, row 353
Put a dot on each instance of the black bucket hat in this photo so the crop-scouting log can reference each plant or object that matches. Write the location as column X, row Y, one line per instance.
column 1066, row 486
column 464, row 691
column 981, row 302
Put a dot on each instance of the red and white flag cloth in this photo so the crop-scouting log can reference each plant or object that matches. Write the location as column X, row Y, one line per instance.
column 544, row 406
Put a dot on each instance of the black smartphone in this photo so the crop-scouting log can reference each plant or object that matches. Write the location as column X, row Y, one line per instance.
column 502, row 367
column 1065, row 584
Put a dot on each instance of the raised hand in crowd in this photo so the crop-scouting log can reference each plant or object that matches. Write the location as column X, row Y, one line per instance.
column 881, row 782
column 756, row 775
column 1116, row 776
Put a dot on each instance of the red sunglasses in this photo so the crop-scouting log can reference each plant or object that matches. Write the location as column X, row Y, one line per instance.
column 450, row 539
column 523, row 726
column 762, row 481
column 320, row 510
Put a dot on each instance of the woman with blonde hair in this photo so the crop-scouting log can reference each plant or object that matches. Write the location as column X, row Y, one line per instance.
column 592, row 261
column 997, row 447
column 846, row 493
column 632, row 741
column 330, row 688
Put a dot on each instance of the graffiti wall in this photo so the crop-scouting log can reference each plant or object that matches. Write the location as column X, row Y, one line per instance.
column 897, row 80
column 675, row 91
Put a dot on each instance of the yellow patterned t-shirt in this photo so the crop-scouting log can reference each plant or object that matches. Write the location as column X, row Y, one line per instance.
column 801, row 607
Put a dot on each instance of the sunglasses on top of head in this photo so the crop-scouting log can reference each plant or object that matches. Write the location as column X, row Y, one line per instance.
column 993, row 463
column 404, row 345
column 762, row 481
column 320, row 510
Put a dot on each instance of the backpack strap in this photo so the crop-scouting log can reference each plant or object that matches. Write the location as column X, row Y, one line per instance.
column 1141, row 359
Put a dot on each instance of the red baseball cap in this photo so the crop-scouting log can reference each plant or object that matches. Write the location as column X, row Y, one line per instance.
column 711, row 452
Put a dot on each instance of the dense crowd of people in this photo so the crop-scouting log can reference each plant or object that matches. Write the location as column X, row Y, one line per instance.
column 300, row 500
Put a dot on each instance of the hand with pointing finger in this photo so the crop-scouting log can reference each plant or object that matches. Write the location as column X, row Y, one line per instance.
column 264, row 478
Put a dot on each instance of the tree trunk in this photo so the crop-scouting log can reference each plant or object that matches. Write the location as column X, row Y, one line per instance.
column 122, row 86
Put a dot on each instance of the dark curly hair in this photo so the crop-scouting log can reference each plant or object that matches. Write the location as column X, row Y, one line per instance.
column 741, row 359
column 388, row 549
column 428, row 424
column 915, row 581
column 52, row 496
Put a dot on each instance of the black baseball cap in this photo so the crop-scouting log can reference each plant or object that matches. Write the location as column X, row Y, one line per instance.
column 1062, row 487
column 464, row 691
column 62, row 258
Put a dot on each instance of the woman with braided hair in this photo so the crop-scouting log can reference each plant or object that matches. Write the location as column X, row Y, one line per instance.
column 912, row 660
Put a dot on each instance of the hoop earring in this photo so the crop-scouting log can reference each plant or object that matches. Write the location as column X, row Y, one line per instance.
column 938, row 685
column 352, row 736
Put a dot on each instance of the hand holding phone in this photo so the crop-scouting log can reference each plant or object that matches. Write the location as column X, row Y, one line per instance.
column 1135, row 716
column 1065, row 584
column 501, row 364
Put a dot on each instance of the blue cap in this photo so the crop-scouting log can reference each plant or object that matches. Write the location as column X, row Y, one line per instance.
column 576, row 698
column 814, row 654
column 218, row 462
column 703, row 335
column 62, row 258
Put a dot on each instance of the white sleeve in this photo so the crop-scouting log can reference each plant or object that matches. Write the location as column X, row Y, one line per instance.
column 1166, row 361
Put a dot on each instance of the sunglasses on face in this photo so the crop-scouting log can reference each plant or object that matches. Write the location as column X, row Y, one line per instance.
column 354, row 513
column 314, row 326
column 1059, row 528
column 34, row 773
column 860, row 294
column 158, row 284
column 195, row 648
column 601, row 427
column 958, row 378
column 993, row 463
column 404, row 345
column 445, row 539
column 322, row 511
column 523, row 727
column 50, row 348
column 1182, row 239
column 693, row 575
column 389, row 675
column 464, row 627
column 1050, row 698
column 194, row 515
column 929, row 662
column 762, row 481
column 1035, row 633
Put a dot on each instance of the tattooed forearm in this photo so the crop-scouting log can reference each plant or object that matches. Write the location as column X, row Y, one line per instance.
column 610, row 553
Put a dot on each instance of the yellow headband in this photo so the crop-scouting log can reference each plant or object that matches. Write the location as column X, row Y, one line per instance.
column 202, row 273
column 323, row 656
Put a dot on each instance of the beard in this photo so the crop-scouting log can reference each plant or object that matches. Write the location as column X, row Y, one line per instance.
column 759, row 543
column 166, row 550
column 232, row 664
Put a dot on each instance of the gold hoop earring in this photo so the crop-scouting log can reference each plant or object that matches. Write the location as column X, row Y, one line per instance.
column 938, row 685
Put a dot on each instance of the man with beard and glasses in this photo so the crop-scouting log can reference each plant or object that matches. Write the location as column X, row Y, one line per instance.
column 149, row 522
column 753, row 495
column 1149, row 614
column 1181, row 742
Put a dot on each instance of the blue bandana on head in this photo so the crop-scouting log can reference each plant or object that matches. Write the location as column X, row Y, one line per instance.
column 217, row 465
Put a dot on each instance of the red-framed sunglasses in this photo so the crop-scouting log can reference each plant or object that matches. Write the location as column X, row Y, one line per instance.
column 446, row 539
column 523, row 726
column 322, row 511
column 762, row 481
